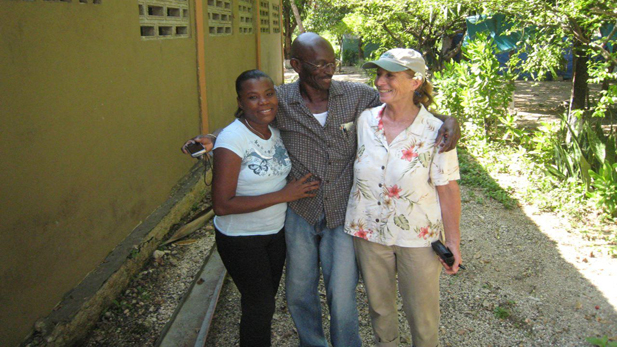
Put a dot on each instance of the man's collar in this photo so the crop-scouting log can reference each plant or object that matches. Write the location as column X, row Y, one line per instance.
column 336, row 89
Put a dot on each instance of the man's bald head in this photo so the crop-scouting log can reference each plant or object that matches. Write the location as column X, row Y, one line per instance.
column 312, row 57
column 307, row 43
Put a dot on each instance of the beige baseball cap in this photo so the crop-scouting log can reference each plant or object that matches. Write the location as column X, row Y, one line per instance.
column 400, row 59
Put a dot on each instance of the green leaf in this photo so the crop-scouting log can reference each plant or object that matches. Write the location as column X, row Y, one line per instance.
column 401, row 222
column 361, row 151
column 425, row 158
column 598, row 341
column 598, row 148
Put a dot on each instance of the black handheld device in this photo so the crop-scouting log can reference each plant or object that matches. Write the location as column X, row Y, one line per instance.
column 444, row 253
column 196, row 149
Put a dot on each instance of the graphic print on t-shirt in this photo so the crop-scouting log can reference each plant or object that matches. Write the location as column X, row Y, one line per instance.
column 267, row 161
column 257, row 169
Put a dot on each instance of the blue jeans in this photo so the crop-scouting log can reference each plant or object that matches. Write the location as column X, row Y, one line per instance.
column 307, row 247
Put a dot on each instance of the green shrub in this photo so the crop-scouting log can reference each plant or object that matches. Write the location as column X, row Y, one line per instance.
column 350, row 58
column 568, row 168
column 604, row 184
column 477, row 92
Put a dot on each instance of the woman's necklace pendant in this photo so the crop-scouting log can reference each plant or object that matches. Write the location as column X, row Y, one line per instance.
column 253, row 129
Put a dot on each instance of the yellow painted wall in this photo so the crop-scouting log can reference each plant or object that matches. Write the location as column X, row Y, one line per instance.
column 229, row 55
column 272, row 43
column 271, row 55
column 92, row 121
column 226, row 58
column 93, row 117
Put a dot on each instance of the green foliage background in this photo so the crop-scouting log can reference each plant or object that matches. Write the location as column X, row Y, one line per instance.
column 571, row 164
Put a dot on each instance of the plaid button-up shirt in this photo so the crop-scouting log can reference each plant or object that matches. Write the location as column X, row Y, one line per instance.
column 327, row 152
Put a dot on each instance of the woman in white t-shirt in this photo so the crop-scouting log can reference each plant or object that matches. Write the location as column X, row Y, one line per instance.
column 404, row 196
column 250, row 194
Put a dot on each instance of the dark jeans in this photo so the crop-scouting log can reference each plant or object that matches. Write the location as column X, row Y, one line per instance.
column 255, row 263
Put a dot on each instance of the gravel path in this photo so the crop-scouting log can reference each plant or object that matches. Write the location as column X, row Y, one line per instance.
column 524, row 286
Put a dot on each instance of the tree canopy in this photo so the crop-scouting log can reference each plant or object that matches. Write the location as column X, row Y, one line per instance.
column 546, row 30
column 394, row 23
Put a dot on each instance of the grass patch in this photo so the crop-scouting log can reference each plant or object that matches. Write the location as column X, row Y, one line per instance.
column 473, row 174
column 502, row 312
column 480, row 162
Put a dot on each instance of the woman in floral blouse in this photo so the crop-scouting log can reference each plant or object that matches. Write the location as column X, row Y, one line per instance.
column 404, row 196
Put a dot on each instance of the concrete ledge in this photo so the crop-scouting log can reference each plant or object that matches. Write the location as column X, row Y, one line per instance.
column 80, row 308
column 190, row 323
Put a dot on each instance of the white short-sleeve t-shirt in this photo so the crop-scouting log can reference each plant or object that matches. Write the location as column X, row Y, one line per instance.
column 265, row 166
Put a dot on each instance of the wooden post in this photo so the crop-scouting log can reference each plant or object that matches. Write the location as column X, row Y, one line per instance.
column 282, row 39
column 201, row 65
column 258, row 34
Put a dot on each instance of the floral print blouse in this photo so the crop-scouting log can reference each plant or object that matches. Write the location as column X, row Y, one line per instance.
column 393, row 200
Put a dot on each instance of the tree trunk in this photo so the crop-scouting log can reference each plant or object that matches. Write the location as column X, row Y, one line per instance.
column 289, row 27
column 580, row 89
column 294, row 8
column 446, row 46
column 360, row 50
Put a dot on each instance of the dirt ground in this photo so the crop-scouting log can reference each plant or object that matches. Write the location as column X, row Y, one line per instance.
column 530, row 280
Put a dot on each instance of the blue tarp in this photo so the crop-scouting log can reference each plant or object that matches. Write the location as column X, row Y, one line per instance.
column 606, row 30
column 497, row 27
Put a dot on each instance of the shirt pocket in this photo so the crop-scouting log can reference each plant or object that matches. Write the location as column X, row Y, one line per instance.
column 348, row 131
column 347, row 140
